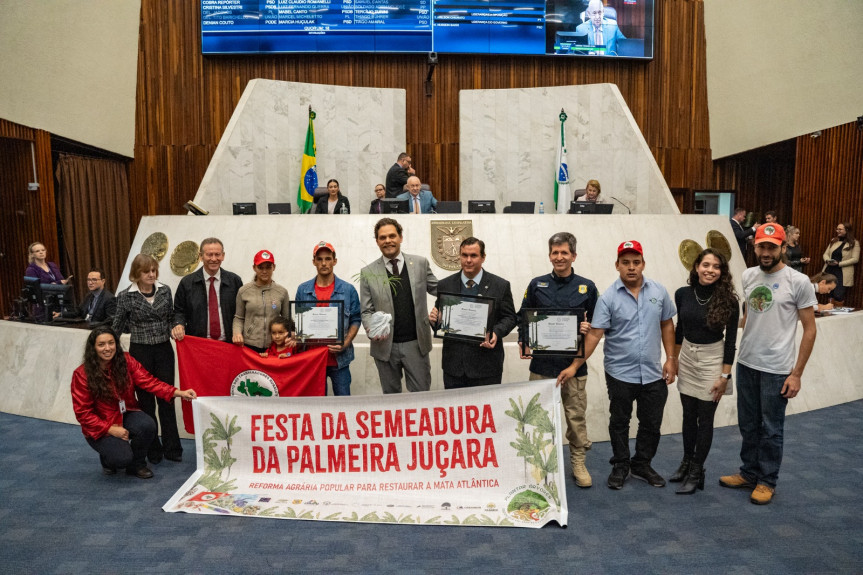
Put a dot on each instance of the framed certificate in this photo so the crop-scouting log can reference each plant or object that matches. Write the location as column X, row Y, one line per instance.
column 554, row 331
column 464, row 317
column 319, row 324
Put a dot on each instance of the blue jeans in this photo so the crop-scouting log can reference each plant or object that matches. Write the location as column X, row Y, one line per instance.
column 341, row 379
column 761, row 418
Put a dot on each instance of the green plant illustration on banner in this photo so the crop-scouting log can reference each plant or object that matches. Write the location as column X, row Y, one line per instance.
column 217, row 463
column 535, row 442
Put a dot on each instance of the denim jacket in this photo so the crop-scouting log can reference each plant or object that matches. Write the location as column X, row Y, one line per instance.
column 347, row 293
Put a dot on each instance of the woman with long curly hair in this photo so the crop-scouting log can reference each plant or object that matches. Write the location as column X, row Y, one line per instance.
column 708, row 312
column 103, row 398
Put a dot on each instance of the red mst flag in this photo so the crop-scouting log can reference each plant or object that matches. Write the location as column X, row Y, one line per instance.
column 213, row 367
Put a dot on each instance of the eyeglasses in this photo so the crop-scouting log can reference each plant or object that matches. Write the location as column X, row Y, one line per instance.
column 92, row 281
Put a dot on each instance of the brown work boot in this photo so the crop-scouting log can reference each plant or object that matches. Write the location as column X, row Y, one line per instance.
column 579, row 471
column 762, row 495
column 735, row 481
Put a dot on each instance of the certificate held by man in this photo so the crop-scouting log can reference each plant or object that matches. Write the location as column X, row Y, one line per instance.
column 554, row 331
column 319, row 322
column 463, row 316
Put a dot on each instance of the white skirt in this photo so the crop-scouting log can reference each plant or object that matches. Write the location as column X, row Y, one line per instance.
column 700, row 366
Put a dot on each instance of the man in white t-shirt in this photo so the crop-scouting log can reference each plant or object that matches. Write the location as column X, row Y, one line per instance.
column 776, row 297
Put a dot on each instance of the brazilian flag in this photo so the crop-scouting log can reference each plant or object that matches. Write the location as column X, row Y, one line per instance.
column 308, row 171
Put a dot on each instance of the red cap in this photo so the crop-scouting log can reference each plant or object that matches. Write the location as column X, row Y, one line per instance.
column 323, row 246
column 630, row 246
column 264, row 256
column 771, row 233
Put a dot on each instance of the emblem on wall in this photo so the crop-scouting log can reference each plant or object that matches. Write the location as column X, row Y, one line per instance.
column 155, row 245
column 446, row 237
column 185, row 258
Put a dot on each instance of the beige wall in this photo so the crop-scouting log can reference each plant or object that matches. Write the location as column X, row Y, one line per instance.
column 70, row 67
column 777, row 69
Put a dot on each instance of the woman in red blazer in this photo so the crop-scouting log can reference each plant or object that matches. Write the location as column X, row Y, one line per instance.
column 103, row 398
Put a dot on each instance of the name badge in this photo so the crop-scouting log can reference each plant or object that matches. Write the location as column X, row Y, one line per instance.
column 541, row 284
column 122, row 406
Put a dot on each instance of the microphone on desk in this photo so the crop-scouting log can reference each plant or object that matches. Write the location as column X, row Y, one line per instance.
column 622, row 204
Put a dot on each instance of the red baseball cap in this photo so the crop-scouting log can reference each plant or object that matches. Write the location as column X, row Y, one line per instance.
column 630, row 246
column 770, row 233
column 264, row 256
column 323, row 246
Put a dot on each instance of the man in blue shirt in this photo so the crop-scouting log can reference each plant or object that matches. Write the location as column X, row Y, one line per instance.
column 634, row 315
column 326, row 286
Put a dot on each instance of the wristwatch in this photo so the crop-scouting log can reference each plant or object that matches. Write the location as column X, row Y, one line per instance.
column 725, row 376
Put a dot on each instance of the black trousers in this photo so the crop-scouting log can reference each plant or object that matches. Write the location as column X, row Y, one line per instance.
column 114, row 453
column 650, row 399
column 158, row 359
column 697, row 427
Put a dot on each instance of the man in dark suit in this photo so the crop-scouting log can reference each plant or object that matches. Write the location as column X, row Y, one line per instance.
column 396, row 284
column 206, row 300
column 380, row 194
column 743, row 235
column 99, row 305
column 398, row 175
column 467, row 364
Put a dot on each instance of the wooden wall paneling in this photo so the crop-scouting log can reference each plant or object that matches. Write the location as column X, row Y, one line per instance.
column 26, row 216
column 828, row 189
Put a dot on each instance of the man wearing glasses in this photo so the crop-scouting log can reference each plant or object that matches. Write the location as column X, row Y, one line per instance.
column 99, row 305
column 600, row 31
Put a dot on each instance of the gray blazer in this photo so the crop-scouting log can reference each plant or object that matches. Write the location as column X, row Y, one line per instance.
column 376, row 295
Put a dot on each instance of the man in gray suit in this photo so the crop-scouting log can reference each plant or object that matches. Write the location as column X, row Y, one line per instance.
column 471, row 364
column 397, row 284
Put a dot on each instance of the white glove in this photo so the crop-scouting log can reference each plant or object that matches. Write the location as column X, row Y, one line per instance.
column 380, row 324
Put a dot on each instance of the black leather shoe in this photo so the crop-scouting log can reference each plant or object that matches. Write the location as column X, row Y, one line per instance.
column 142, row 473
column 174, row 456
column 618, row 476
column 647, row 473
column 695, row 480
column 109, row 471
column 682, row 471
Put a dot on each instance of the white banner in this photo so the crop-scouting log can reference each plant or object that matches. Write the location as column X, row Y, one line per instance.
column 488, row 455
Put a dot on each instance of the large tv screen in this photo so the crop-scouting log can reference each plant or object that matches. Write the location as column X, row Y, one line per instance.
column 610, row 28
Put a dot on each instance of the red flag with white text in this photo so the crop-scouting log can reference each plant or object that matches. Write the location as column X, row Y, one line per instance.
column 218, row 368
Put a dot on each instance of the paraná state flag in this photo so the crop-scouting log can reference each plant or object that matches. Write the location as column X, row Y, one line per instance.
column 561, row 178
column 308, row 170
column 213, row 367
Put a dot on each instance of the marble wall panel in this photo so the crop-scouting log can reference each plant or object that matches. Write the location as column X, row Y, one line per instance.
column 359, row 133
column 509, row 138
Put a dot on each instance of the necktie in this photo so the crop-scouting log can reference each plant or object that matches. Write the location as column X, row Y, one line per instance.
column 470, row 283
column 597, row 37
column 395, row 264
column 416, row 205
column 213, row 308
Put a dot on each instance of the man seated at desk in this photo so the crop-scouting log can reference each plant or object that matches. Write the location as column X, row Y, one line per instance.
column 600, row 31
column 99, row 305
column 418, row 198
